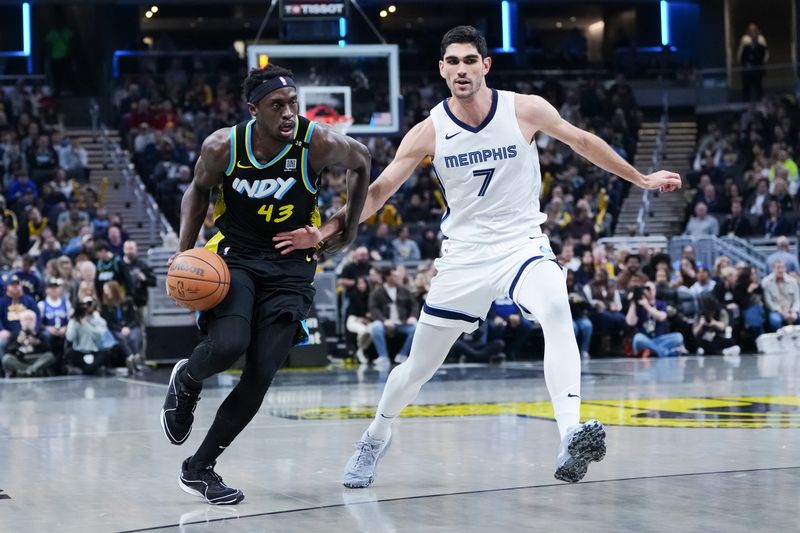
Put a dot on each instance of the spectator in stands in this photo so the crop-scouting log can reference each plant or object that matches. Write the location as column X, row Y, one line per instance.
column 725, row 292
column 773, row 223
column 782, row 253
column 781, row 193
column 42, row 160
column 606, row 305
column 567, row 257
column 403, row 248
column 713, row 202
column 8, row 251
column 758, row 200
column 11, row 306
column 393, row 309
column 579, row 308
column 712, row 328
column 701, row 224
column 141, row 274
column 415, row 211
column 115, row 241
column 507, row 323
column 100, row 223
column 474, row 347
column 28, row 352
column 649, row 318
column 29, row 278
column 70, row 225
column 430, row 246
column 749, row 297
column 586, row 270
column 380, row 244
column 86, row 273
column 790, row 171
column 36, row 223
column 123, row 321
column 687, row 273
column 736, row 223
column 358, row 318
column 22, row 191
column 581, row 224
column 781, row 296
column 74, row 159
column 110, row 267
column 632, row 275
column 46, row 249
column 704, row 282
column 87, row 332
column 358, row 267
column 55, row 311
column 752, row 55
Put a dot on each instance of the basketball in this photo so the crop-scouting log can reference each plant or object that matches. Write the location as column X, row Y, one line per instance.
column 198, row 279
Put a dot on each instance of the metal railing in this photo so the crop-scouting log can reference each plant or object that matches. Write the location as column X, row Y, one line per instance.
column 114, row 157
column 655, row 164
column 708, row 248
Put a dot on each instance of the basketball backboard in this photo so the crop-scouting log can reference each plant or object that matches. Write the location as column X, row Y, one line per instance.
column 362, row 81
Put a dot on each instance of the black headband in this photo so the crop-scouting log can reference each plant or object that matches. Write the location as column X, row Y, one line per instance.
column 267, row 86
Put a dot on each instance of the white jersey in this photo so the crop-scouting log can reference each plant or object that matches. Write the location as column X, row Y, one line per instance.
column 490, row 175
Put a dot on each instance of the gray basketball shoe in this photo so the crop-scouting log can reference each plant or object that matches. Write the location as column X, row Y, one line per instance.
column 360, row 470
column 581, row 445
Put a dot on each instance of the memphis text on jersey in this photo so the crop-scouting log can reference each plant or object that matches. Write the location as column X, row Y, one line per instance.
column 480, row 156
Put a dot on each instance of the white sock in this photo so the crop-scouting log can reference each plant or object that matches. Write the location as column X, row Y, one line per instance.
column 428, row 351
column 543, row 291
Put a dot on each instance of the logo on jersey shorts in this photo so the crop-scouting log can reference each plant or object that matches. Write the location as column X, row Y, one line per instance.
column 480, row 156
column 264, row 188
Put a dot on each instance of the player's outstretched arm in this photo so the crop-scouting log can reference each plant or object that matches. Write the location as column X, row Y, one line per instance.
column 331, row 149
column 544, row 117
column 417, row 143
column 208, row 172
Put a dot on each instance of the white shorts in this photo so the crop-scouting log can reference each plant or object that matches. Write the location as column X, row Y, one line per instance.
column 471, row 276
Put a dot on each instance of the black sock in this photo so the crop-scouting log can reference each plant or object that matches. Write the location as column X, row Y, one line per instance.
column 188, row 381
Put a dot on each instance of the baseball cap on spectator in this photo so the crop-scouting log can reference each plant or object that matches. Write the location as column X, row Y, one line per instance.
column 54, row 282
column 12, row 279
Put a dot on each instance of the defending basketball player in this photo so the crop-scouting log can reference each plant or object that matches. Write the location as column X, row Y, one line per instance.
column 480, row 141
column 267, row 173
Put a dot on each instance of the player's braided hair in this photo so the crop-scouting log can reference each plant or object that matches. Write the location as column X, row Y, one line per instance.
column 258, row 75
column 465, row 34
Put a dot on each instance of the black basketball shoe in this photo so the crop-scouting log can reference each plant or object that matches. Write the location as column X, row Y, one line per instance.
column 177, row 415
column 207, row 484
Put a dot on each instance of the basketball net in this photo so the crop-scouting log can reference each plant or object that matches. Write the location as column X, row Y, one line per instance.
column 328, row 115
column 340, row 123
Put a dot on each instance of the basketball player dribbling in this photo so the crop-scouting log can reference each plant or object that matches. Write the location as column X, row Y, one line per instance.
column 480, row 141
column 267, row 172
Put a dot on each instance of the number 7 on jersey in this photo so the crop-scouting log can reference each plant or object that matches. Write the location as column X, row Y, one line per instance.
column 487, row 174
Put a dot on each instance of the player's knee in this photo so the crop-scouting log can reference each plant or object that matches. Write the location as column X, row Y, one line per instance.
column 553, row 313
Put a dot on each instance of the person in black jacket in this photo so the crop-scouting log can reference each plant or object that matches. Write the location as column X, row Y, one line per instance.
column 140, row 272
column 393, row 309
column 358, row 321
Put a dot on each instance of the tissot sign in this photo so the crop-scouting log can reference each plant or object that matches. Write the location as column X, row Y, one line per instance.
column 313, row 9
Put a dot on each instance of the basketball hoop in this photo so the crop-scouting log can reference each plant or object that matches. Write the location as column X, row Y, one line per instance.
column 341, row 124
column 329, row 116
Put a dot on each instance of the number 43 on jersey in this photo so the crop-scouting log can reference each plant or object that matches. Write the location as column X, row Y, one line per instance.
column 284, row 212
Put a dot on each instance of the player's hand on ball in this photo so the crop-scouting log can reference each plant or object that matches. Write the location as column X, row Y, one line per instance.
column 663, row 180
column 172, row 258
column 299, row 239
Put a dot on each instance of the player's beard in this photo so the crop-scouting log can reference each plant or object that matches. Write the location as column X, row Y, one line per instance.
column 475, row 85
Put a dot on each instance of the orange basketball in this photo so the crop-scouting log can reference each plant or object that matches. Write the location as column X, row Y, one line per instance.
column 198, row 279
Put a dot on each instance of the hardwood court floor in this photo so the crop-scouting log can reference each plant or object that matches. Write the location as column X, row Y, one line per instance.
column 695, row 444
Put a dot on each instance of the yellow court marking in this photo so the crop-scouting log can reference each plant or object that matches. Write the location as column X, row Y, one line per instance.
column 729, row 412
